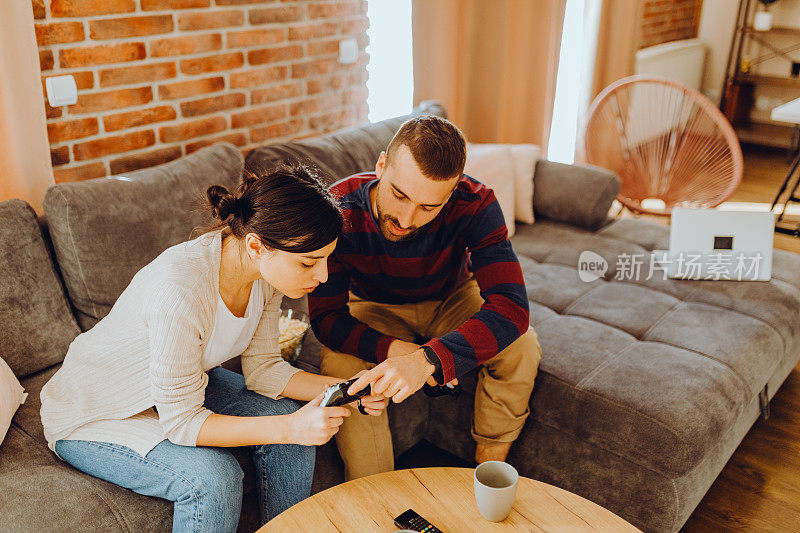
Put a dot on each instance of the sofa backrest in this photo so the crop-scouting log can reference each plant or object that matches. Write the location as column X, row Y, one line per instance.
column 339, row 154
column 35, row 319
column 105, row 230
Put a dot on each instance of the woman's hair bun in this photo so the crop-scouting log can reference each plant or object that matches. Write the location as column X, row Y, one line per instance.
column 223, row 202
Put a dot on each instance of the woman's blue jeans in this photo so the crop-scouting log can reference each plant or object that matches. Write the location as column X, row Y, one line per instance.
column 206, row 482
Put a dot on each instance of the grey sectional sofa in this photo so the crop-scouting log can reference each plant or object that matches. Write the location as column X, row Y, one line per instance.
column 645, row 390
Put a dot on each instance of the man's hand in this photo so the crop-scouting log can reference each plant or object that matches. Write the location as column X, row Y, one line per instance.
column 401, row 347
column 432, row 382
column 398, row 377
column 374, row 404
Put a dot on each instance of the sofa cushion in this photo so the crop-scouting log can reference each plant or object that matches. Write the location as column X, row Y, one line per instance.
column 338, row 154
column 494, row 166
column 105, row 230
column 19, row 451
column 525, row 157
column 35, row 315
column 650, row 369
column 27, row 417
column 57, row 497
column 579, row 195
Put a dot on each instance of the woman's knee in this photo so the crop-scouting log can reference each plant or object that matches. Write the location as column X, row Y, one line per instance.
column 211, row 499
column 304, row 457
column 219, row 478
column 300, row 458
column 268, row 407
column 292, row 453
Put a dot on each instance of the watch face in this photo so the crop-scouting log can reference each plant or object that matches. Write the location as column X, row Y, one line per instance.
column 430, row 355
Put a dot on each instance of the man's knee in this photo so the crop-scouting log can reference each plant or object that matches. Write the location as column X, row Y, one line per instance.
column 341, row 365
column 530, row 346
column 521, row 356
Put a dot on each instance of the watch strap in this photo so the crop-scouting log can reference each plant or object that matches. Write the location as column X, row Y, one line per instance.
column 432, row 358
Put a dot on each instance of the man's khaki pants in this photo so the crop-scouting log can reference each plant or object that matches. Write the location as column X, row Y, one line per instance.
column 505, row 382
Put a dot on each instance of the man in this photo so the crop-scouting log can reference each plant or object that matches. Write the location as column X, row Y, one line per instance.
column 425, row 255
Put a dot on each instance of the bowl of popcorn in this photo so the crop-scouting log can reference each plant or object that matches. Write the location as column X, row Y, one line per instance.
column 292, row 326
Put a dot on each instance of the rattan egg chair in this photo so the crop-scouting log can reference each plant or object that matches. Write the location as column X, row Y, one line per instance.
column 666, row 142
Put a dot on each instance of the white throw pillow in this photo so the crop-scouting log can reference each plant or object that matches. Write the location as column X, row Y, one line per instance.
column 12, row 395
column 493, row 165
column 525, row 157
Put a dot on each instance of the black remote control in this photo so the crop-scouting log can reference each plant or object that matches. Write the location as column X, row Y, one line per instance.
column 411, row 520
column 442, row 390
column 337, row 395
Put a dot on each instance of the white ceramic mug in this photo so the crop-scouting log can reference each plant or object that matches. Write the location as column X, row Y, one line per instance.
column 495, row 489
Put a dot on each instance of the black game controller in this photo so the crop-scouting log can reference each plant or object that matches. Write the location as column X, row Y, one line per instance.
column 336, row 395
column 442, row 390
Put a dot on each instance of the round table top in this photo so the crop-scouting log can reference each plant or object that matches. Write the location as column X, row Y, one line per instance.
column 444, row 497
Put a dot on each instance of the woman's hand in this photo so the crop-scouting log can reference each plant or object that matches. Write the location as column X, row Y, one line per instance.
column 373, row 404
column 312, row 425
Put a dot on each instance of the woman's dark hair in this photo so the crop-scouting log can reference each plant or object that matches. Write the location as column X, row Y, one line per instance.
column 288, row 208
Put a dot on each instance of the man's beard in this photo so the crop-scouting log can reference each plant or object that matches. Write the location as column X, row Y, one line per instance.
column 383, row 223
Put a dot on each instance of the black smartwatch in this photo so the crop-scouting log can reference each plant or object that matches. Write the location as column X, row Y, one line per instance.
column 433, row 359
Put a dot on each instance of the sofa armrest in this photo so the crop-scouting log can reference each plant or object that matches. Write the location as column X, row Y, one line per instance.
column 579, row 195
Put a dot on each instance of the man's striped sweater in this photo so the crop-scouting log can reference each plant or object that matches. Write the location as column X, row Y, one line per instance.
column 468, row 234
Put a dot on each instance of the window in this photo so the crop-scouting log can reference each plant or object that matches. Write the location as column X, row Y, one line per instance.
column 390, row 68
column 573, row 82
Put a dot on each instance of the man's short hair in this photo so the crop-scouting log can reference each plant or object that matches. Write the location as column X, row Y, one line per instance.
column 436, row 144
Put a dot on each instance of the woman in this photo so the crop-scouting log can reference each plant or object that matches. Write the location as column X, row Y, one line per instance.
column 141, row 400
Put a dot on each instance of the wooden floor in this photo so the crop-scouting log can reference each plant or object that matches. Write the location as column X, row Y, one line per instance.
column 759, row 488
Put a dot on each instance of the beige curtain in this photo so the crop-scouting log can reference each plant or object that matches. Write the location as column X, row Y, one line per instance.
column 617, row 42
column 25, row 169
column 491, row 63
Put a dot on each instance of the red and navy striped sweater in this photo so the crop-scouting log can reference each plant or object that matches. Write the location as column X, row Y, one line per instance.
column 469, row 233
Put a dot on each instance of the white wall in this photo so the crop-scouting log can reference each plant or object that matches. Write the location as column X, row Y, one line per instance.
column 717, row 24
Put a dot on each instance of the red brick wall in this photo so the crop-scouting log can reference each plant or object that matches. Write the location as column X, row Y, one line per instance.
column 669, row 20
column 158, row 79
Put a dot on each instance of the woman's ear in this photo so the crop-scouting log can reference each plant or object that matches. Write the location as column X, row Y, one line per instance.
column 253, row 246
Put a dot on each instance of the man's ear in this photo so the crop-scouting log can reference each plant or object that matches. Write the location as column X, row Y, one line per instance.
column 455, row 186
column 380, row 165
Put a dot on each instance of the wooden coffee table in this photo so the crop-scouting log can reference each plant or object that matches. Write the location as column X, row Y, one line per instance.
column 445, row 497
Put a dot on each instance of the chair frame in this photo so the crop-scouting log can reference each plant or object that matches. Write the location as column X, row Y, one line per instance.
column 703, row 103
